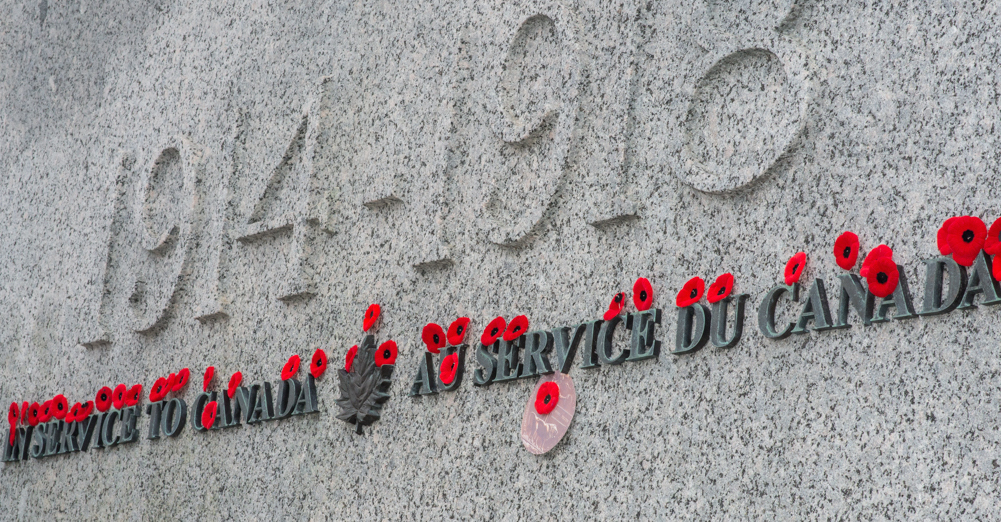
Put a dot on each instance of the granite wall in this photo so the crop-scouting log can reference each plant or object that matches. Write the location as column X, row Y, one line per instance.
column 187, row 184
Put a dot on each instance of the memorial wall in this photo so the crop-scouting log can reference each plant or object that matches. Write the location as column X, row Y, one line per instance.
column 500, row 259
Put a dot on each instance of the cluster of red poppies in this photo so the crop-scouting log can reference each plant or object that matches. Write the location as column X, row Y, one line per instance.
column 964, row 237
column 695, row 288
column 878, row 268
column 435, row 338
column 387, row 352
column 317, row 365
column 58, row 407
column 642, row 298
column 172, row 383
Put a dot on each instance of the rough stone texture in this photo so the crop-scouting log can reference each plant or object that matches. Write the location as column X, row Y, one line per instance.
column 487, row 158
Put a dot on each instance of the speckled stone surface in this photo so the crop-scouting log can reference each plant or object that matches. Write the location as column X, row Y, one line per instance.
column 185, row 184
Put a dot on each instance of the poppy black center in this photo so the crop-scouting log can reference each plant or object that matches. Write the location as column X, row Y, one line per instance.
column 319, row 363
column 618, row 298
column 882, row 278
column 546, row 399
column 694, row 293
column 387, row 354
column 104, row 397
column 721, row 291
column 847, row 252
column 967, row 235
column 643, row 295
column 435, row 338
column 795, row 268
column 458, row 329
column 517, row 329
column 493, row 332
column 59, row 406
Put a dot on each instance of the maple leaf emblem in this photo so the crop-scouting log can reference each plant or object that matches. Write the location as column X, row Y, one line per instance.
column 365, row 388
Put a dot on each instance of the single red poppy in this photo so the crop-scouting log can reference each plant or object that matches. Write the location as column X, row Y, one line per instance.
column 291, row 367
column 131, row 397
column 457, row 331
column 615, row 307
column 874, row 254
column 34, row 414
column 996, row 267
column 846, row 250
column 992, row 245
column 691, row 292
column 349, row 359
column 449, row 367
column 74, row 413
column 118, row 396
column 159, row 390
column 85, row 411
column 386, row 354
column 966, row 237
column 318, row 364
column 941, row 239
column 181, row 380
column 24, row 412
column 493, row 331
column 721, row 288
column 516, row 328
column 207, row 378
column 794, row 267
column 642, row 294
column 547, row 397
column 433, row 337
column 60, row 406
column 102, row 401
column 371, row 316
column 883, row 277
column 234, row 383
column 45, row 412
column 12, row 414
column 209, row 413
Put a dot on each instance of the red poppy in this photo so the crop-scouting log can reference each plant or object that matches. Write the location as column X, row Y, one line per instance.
column 60, row 406
column 291, row 367
column 516, row 328
column 34, row 414
column 74, row 413
column 691, row 292
column 795, row 267
column 874, row 254
column 493, row 331
column 85, row 411
column 209, row 413
column 371, row 316
column 846, row 250
column 457, row 331
column 234, row 383
column 448, row 368
column 12, row 414
column 171, row 382
column 45, row 412
column 103, row 399
column 132, row 396
column 615, row 307
column 386, row 354
column 24, row 412
column 883, row 277
column 207, row 379
column 349, row 359
column 642, row 294
column 992, row 245
column 996, row 267
column 159, row 390
column 547, row 397
column 318, row 364
column 941, row 238
column 118, row 395
column 966, row 237
column 721, row 288
column 433, row 337
column 182, row 379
